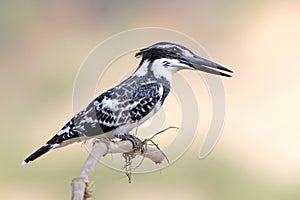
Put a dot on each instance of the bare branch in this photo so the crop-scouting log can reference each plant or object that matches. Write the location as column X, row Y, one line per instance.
column 81, row 186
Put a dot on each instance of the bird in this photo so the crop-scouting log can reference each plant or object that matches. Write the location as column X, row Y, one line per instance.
column 117, row 111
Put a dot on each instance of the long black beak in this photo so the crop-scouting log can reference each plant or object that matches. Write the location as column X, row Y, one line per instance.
column 205, row 65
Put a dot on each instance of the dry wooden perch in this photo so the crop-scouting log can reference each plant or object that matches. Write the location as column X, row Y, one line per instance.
column 81, row 186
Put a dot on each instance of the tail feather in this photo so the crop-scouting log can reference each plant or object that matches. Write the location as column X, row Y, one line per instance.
column 44, row 149
column 64, row 137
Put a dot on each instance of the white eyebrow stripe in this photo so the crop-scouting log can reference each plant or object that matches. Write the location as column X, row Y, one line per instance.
column 166, row 46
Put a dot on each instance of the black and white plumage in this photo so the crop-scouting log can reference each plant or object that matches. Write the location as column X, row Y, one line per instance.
column 124, row 107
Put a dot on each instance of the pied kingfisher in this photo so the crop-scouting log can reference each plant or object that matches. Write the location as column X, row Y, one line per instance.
column 114, row 113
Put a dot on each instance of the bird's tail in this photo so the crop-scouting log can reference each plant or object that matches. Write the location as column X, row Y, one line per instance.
column 64, row 137
column 44, row 149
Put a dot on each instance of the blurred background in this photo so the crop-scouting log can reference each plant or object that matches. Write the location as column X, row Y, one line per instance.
column 43, row 43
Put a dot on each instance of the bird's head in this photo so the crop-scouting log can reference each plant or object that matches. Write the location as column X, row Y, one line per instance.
column 175, row 57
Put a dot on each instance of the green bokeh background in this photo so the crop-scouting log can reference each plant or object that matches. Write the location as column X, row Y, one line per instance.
column 43, row 43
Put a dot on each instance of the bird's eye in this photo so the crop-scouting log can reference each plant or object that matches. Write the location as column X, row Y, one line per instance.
column 174, row 49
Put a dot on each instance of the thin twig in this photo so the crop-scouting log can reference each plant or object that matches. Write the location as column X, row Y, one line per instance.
column 159, row 132
column 144, row 145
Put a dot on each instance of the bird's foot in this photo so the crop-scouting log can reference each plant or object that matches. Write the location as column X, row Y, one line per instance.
column 136, row 142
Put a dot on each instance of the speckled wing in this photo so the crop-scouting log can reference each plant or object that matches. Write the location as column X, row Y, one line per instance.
column 112, row 109
column 115, row 108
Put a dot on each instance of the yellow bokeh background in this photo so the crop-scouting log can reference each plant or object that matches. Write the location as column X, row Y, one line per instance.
column 43, row 43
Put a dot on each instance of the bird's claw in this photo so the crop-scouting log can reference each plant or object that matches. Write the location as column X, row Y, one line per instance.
column 134, row 140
